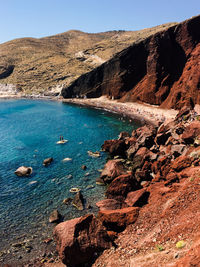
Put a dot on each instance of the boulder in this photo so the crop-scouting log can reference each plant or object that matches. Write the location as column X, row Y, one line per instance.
column 115, row 147
column 47, row 161
column 54, row 216
column 100, row 181
column 162, row 165
column 137, row 162
column 191, row 132
column 78, row 240
column 171, row 178
column 162, row 138
column 123, row 135
column 142, row 175
column 181, row 163
column 137, row 198
column 66, row 201
column 24, row 171
column 143, row 153
column 132, row 150
column 108, row 204
column 78, row 201
column 182, row 112
column 112, row 169
column 145, row 136
column 117, row 220
column 121, row 186
column 178, row 150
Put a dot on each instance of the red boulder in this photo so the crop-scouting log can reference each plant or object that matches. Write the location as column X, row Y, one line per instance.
column 112, row 169
column 121, row 186
column 79, row 239
column 117, row 220
column 137, row 198
column 108, row 204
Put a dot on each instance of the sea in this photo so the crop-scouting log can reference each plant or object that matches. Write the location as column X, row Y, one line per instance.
column 29, row 131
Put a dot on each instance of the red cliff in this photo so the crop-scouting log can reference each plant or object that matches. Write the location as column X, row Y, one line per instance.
column 162, row 70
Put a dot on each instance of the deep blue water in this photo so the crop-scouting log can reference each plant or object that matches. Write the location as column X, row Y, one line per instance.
column 29, row 130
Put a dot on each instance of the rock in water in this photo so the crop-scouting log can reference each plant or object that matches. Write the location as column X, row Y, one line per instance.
column 83, row 167
column 47, row 162
column 24, row 171
column 79, row 239
column 78, row 201
column 54, row 217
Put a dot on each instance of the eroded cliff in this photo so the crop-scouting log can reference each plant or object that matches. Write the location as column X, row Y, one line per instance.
column 162, row 70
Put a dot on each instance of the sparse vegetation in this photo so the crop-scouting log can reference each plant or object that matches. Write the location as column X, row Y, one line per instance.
column 47, row 62
column 180, row 244
column 159, row 247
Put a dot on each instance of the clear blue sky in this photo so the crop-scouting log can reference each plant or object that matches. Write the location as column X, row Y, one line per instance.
column 38, row 18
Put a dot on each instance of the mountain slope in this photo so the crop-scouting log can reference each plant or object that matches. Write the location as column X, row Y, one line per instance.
column 41, row 65
column 162, row 69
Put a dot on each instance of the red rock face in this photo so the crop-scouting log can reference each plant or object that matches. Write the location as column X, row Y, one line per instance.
column 163, row 69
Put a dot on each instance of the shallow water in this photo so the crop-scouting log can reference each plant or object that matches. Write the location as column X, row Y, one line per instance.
column 29, row 130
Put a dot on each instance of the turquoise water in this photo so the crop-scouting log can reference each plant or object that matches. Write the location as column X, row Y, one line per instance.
column 29, row 130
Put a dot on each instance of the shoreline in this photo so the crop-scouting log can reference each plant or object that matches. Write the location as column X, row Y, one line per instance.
column 144, row 113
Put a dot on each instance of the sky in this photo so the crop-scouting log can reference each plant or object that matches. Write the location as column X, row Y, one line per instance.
column 39, row 18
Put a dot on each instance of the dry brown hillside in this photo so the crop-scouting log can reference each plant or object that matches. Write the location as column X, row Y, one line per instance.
column 45, row 65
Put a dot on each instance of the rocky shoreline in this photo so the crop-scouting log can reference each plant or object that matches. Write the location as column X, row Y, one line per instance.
column 149, row 171
column 157, row 162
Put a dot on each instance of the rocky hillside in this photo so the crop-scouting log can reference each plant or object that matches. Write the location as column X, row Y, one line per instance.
column 150, row 216
column 46, row 65
column 162, row 69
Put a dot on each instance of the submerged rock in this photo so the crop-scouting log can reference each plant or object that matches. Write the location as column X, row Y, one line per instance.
column 100, row 181
column 67, row 159
column 24, row 171
column 54, row 216
column 94, row 154
column 78, row 201
column 83, row 167
column 66, row 201
column 47, row 161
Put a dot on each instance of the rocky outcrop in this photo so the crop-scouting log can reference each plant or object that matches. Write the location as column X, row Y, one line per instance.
column 162, row 70
column 79, row 239
column 165, row 197
column 152, row 198
column 6, row 70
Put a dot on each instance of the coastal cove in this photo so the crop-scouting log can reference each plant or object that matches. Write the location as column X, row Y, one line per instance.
column 29, row 130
